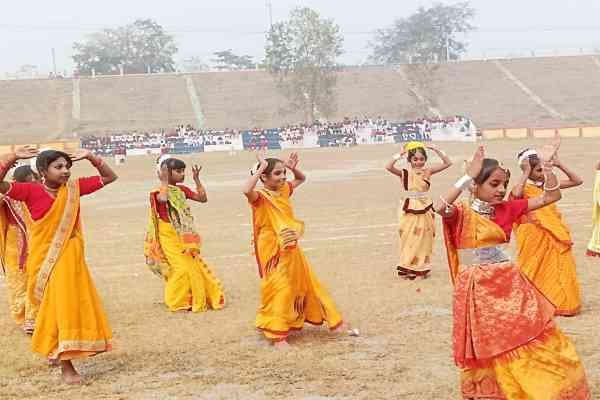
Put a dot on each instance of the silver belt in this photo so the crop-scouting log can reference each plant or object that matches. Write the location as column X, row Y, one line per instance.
column 415, row 195
column 485, row 255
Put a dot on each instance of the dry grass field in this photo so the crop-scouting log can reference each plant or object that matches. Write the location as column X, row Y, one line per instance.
column 349, row 206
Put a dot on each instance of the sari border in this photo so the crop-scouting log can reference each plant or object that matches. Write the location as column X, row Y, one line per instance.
column 61, row 235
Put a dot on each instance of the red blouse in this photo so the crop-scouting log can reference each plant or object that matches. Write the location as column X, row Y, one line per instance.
column 161, row 207
column 39, row 201
column 505, row 214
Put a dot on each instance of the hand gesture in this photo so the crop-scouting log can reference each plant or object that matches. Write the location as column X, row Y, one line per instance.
column 79, row 154
column 163, row 174
column 292, row 161
column 431, row 146
column 25, row 152
column 556, row 161
column 289, row 237
column 526, row 166
column 262, row 163
column 476, row 164
column 196, row 172
column 547, row 152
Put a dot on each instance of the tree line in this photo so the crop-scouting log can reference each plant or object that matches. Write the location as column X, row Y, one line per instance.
column 301, row 53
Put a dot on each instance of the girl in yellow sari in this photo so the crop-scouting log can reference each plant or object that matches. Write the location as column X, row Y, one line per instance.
column 14, row 224
column 291, row 294
column 71, row 322
column 593, row 248
column 504, row 339
column 415, row 214
column 172, row 245
column 543, row 239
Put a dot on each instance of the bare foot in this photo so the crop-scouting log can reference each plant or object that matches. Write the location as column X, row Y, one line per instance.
column 69, row 374
column 281, row 345
column 340, row 328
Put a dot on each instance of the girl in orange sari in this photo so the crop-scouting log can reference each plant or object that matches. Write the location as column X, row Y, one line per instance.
column 593, row 248
column 415, row 214
column 545, row 247
column 504, row 339
column 71, row 322
column 14, row 223
column 291, row 294
column 172, row 245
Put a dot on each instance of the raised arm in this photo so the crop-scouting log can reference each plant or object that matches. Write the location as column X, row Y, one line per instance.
column 391, row 165
column 106, row 173
column 572, row 180
column 8, row 160
column 443, row 205
column 517, row 191
column 446, row 162
column 200, row 194
column 250, row 185
column 292, row 165
column 551, row 184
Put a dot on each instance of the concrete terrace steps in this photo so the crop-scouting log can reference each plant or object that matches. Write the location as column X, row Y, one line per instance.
column 40, row 110
column 134, row 102
column 570, row 85
column 31, row 110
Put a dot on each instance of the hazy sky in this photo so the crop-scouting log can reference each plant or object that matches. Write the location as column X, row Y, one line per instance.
column 29, row 29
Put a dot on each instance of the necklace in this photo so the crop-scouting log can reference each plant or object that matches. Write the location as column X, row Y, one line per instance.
column 49, row 189
column 482, row 207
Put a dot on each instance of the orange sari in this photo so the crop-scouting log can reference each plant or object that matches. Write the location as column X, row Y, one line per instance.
column 14, row 223
column 545, row 255
column 416, row 225
column 291, row 294
column 504, row 339
column 71, row 322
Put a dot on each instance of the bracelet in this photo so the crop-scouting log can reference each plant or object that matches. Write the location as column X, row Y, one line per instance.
column 547, row 189
column 448, row 205
column 97, row 162
column 463, row 183
column 397, row 156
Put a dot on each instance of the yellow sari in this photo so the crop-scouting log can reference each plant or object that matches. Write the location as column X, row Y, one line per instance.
column 291, row 294
column 172, row 252
column 545, row 255
column 13, row 255
column 593, row 248
column 71, row 322
column 416, row 225
column 504, row 339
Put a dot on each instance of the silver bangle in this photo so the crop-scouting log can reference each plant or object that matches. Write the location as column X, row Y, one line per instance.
column 463, row 183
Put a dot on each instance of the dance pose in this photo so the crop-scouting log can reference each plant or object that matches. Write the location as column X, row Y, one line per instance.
column 291, row 294
column 14, row 239
column 172, row 245
column 504, row 338
column 545, row 247
column 415, row 214
column 593, row 248
column 71, row 322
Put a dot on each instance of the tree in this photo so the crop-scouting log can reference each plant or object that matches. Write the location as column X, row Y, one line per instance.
column 137, row 48
column 301, row 54
column 226, row 60
column 429, row 35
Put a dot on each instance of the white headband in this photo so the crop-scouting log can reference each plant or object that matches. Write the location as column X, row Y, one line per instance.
column 526, row 154
column 162, row 159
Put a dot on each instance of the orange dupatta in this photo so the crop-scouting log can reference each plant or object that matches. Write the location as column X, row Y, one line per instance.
column 48, row 237
column 271, row 214
column 547, row 218
column 20, row 214
column 495, row 308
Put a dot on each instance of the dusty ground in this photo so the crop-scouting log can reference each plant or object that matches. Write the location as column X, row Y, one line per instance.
column 349, row 206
